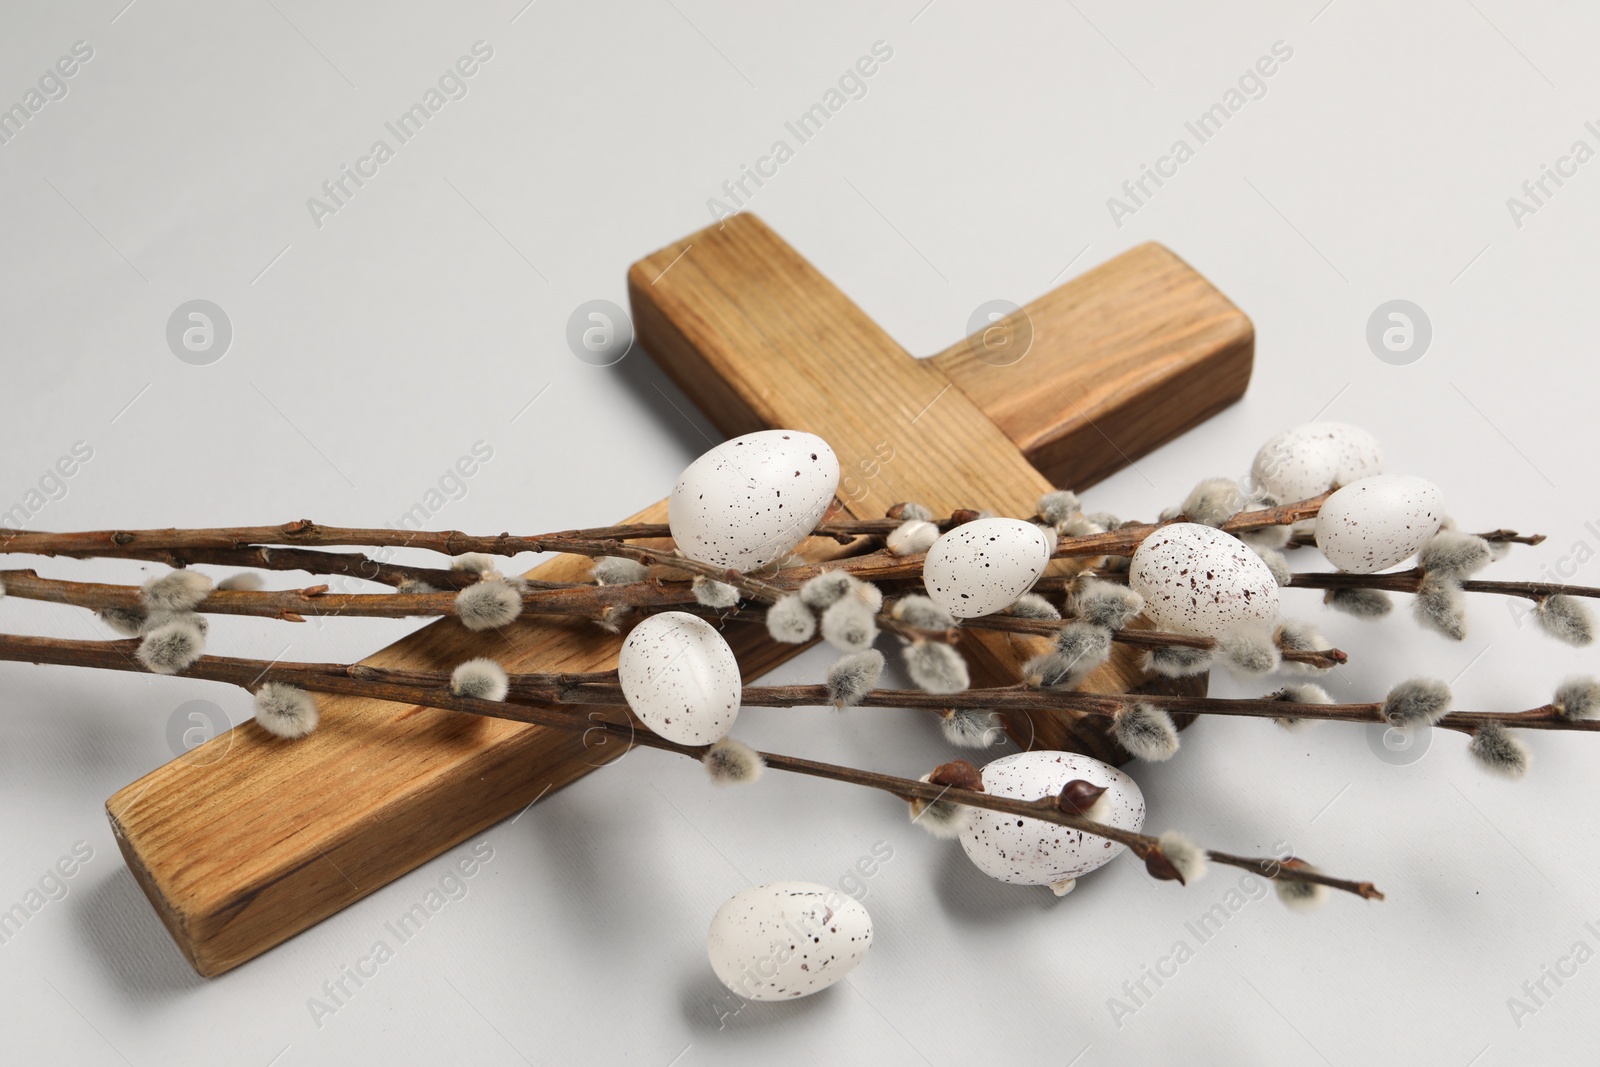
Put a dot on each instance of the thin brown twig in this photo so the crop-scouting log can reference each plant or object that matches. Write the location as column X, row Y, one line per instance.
column 356, row 680
column 584, row 601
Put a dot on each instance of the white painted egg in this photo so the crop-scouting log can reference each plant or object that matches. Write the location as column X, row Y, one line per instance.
column 753, row 499
column 1309, row 460
column 787, row 940
column 1034, row 852
column 985, row 565
column 1199, row 580
column 1296, row 466
column 679, row 676
column 1357, row 451
column 1375, row 523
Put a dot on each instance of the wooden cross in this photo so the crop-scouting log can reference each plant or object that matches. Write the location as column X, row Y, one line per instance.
column 247, row 840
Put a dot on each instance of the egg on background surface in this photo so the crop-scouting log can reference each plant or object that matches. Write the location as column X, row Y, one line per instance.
column 1378, row 522
column 1198, row 580
column 1357, row 451
column 1309, row 460
column 1294, row 466
column 752, row 500
column 1034, row 852
column 983, row 566
column 680, row 678
column 787, row 940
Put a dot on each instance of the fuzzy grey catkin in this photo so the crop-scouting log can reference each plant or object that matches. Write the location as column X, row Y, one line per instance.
column 869, row 594
column 731, row 762
column 1292, row 635
column 1578, row 698
column 1248, row 651
column 1033, row 606
column 826, row 589
column 912, row 510
column 618, row 570
column 1418, row 701
column 1214, row 501
column 1565, row 619
column 710, row 593
column 161, row 618
column 849, row 625
column 921, row 613
column 1498, row 752
column 171, row 646
column 1441, row 606
column 912, row 537
column 1362, row 603
column 1059, row 505
column 1187, row 857
column 1079, row 526
column 1300, row 896
column 473, row 563
column 853, row 676
column 285, row 711
column 129, row 622
column 790, row 621
column 936, row 667
column 1104, row 604
column 971, row 728
column 1079, row 649
column 1301, row 693
column 180, row 590
column 1451, row 554
column 1278, row 564
column 480, row 679
column 1177, row 661
column 487, row 605
column 1267, row 538
column 1146, row 731
column 941, row 818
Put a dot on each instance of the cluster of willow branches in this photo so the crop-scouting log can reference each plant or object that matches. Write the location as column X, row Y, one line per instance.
column 164, row 630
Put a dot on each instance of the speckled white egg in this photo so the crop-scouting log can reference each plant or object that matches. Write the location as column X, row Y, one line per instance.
column 753, row 499
column 1034, row 852
column 1357, row 451
column 1309, row 460
column 1198, row 580
column 985, row 565
column 1295, row 466
column 787, row 940
column 680, row 678
column 1375, row 523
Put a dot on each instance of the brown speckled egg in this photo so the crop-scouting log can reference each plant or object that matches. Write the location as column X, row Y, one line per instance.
column 787, row 940
column 984, row 565
column 1034, row 852
column 1376, row 523
column 1199, row 580
column 753, row 499
column 679, row 676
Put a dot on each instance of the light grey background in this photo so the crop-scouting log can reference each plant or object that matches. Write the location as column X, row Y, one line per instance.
column 431, row 312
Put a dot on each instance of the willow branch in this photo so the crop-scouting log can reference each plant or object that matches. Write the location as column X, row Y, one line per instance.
column 1106, row 706
column 582, row 601
column 1308, row 538
column 1410, row 581
column 377, row 684
column 605, row 540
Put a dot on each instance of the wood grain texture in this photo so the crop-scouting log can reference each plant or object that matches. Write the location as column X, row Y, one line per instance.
column 756, row 336
column 247, row 840
column 1124, row 358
